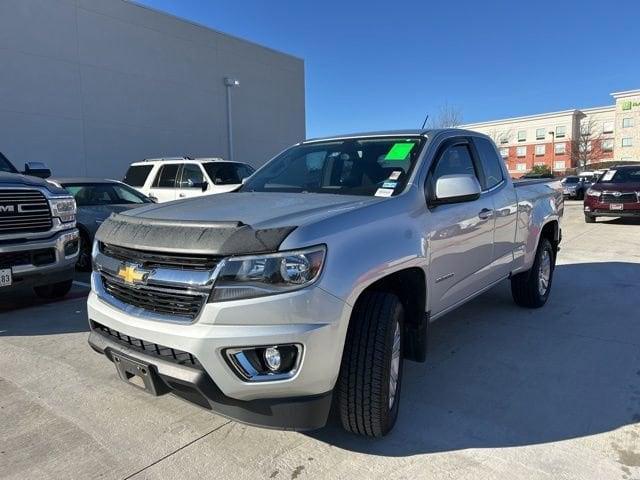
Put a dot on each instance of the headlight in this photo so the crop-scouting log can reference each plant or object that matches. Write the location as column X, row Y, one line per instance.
column 260, row 275
column 63, row 208
column 594, row 193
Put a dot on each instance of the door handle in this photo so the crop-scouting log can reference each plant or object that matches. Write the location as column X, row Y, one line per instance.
column 485, row 214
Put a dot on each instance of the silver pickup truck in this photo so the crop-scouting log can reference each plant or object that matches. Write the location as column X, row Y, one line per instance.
column 38, row 234
column 319, row 277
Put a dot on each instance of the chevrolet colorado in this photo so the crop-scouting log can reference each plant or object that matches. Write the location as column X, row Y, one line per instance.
column 38, row 235
column 317, row 278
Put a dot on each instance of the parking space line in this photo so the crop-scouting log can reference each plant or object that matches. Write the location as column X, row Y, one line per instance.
column 177, row 450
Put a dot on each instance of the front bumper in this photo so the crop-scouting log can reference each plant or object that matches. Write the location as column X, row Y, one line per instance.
column 599, row 209
column 311, row 317
column 197, row 386
column 28, row 274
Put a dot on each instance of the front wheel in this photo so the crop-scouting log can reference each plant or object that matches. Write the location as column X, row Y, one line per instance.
column 531, row 288
column 368, row 389
column 54, row 291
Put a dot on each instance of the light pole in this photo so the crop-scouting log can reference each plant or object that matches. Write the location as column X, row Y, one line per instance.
column 553, row 150
column 230, row 83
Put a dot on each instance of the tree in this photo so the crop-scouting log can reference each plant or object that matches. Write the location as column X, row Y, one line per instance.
column 541, row 170
column 448, row 116
column 587, row 148
column 499, row 135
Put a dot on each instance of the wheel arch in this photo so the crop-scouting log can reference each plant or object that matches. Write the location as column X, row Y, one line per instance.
column 409, row 285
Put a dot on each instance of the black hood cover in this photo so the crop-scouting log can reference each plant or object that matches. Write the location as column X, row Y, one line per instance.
column 216, row 238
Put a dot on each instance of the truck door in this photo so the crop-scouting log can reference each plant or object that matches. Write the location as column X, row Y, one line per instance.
column 163, row 188
column 496, row 186
column 192, row 182
column 459, row 235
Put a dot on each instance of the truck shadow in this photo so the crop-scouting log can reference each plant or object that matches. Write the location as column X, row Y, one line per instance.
column 24, row 314
column 497, row 375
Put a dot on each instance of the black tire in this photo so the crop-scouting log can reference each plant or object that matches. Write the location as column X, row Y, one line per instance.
column 84, row 254
column 525, row 288
column 54, row 291
column 589, row 218
column 363, row 389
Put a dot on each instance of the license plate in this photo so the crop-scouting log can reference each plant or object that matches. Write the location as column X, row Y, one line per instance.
column 5, row 277
column 616, row 206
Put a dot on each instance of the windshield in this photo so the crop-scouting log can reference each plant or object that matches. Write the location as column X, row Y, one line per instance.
column 5, row 165
column 227, row 173
column 624, row 175
column 92, row 194
column 571, row 180
column 377, row 166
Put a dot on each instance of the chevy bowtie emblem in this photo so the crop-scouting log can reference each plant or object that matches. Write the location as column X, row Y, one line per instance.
column 133, row 274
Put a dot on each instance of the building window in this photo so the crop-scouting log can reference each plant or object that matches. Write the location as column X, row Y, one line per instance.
column 503, row 138
column 607, row 145
column 521, row 167
column 584, row 128
column 560, row 148
column 559, row 165
column 607, row 127
column 521, row 151
column 504, row 152
column 522, row 135
column 540, row 133
column 561, row 131
column 627, row 142
column 627, row 122
column 540, row 149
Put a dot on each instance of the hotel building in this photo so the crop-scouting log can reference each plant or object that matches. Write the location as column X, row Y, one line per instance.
column 570, row 140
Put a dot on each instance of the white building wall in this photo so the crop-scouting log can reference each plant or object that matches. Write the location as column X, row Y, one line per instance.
column 89, row 86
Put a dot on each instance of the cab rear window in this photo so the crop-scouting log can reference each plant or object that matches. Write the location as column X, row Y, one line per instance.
column 137, row 175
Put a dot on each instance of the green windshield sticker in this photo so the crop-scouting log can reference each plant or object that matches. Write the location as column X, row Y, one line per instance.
column 399, row 151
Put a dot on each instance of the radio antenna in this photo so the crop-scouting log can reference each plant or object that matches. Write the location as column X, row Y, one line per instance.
column 425, row 121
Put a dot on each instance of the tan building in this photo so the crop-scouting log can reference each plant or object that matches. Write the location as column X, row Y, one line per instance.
column 569, row 140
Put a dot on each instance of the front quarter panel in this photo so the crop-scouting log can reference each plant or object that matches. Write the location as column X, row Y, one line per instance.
column 366, row 244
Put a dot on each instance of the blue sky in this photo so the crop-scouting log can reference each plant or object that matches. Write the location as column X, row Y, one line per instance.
column 385, row 65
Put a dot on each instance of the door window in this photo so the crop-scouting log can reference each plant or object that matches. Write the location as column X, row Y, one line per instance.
column 167, row 176
column 455, row 160
column 192, row 176
column 490, row 163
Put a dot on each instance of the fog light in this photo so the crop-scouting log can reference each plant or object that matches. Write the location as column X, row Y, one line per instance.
column 71, row 247
column 272, row 358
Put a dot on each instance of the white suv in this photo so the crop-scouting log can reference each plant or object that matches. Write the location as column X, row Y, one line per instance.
column 166, row 179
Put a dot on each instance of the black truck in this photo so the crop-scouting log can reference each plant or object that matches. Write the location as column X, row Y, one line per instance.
column 38, row 234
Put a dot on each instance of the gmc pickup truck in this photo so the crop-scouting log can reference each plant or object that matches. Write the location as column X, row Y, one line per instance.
column 38, row 235
column 315, row 280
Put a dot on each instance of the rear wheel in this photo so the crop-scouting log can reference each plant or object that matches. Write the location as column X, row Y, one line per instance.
column 54, row 291
column 368, row 389
column 531, row 289
column 589, row 218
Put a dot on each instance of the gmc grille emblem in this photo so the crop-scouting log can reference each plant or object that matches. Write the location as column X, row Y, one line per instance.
column 7, row 208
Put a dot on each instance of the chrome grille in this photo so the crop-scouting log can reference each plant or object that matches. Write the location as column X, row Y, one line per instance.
column 24, row 211
column 623, row 197
column 162, row 300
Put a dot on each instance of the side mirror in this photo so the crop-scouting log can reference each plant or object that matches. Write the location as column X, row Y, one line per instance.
column 37, row 169
column 204, row 186
column 455, row 189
